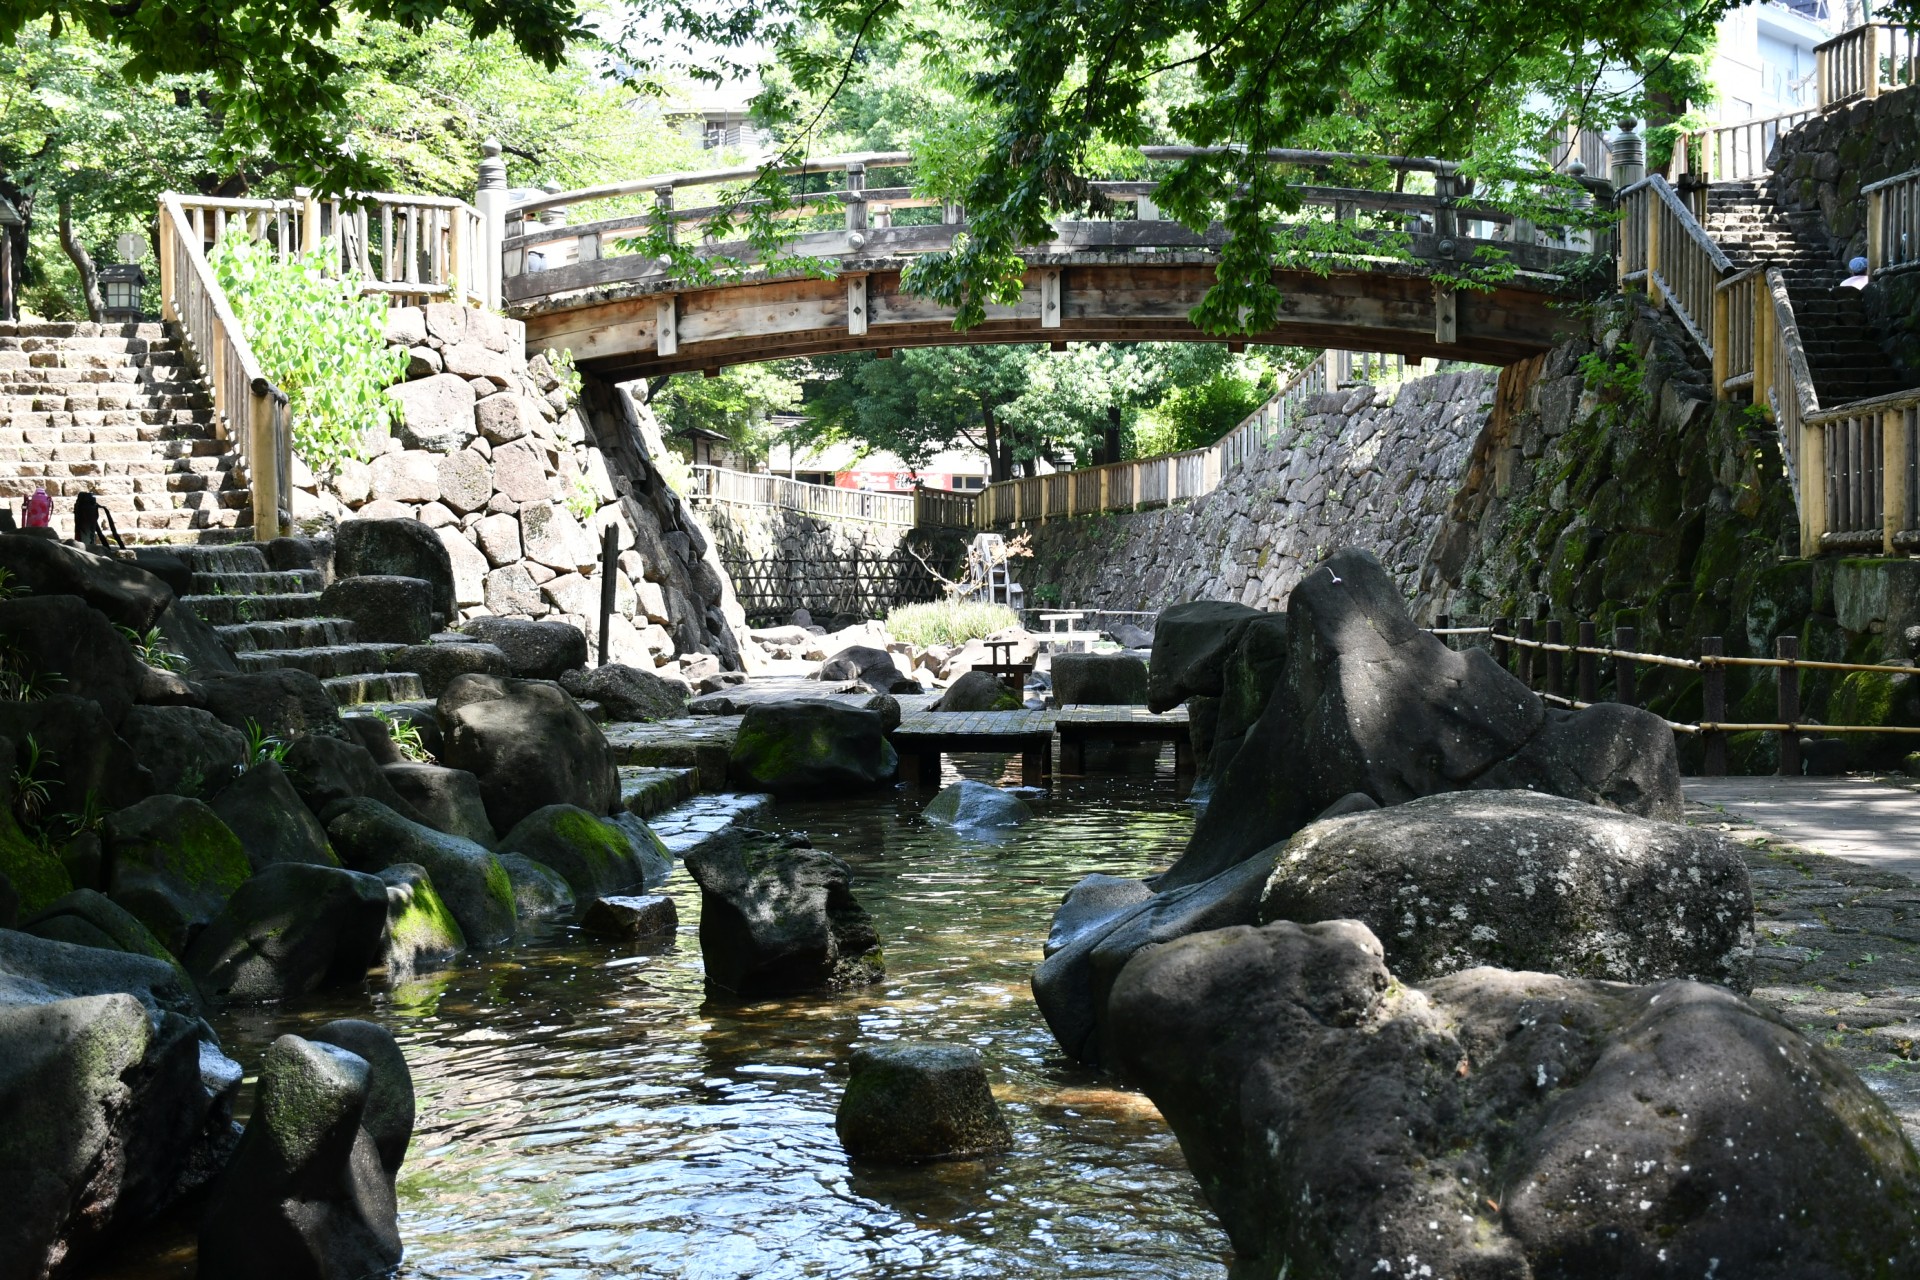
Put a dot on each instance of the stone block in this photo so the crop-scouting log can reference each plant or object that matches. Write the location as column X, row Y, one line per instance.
column 520, row 472
column 471, row 360
column 504, row 417
column 446, row 322
column 465, row 481
column 511, row 590
column 412, row 475
column 406, row 326
column 554, row 538
column 436, row 412
column 498, row 537
column 469, row 567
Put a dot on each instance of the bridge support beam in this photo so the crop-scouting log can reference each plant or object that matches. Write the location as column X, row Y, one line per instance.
column 857, row 305
column 1446, row 314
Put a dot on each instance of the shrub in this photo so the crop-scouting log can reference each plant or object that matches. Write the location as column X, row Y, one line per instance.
column 948, row 622
column 319, row 342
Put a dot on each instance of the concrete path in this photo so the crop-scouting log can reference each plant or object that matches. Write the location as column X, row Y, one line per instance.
column 1862, row 820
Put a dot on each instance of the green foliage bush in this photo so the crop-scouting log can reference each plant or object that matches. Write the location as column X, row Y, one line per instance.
column 319, row 342
column 948, row 622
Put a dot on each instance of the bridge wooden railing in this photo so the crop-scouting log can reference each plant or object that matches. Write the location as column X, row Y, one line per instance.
column 921, row 509
column 1864, row 62
column 249, row 411
column 1893, row 223
column 1736, row 152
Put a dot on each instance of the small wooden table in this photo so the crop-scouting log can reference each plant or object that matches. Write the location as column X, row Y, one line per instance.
column 1078, row 725
column 1010, row 673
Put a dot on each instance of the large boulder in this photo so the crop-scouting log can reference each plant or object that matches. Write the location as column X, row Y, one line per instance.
column 439, row 665
column 529, row 746
column 88, row 918
column 384, row 608
column 1368, row 702
column 1504, row 1124
column 291, row 929
column 978, row 691
column 1099, row 680
column 445, row 799
column 595, row 856
column 81, row 755
column 273, row 824
column 128, row 595
column 403, row 548
column 910, row 1101
column 326, row 771
column 185, row 633
column 1609, row 754
column 72, row 648
column 628, row 693
column 173, row 864
column 872, row 667
column 777, row 920
column 969, row 806
column 110, row 1100
column 1252, row 672
column 1190, row 647
column 1524, row 881
column 539, row 892
column 421, row 932
column 811, row 746
column 188, row 751
column 310, row 1193
column 535, row 650
column 371, row 837
column 284, row 703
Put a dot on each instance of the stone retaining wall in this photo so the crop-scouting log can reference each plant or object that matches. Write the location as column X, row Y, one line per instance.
column 1368, row 467
column 520, row 481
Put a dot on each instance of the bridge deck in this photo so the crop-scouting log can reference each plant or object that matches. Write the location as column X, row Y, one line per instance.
column 924, row 736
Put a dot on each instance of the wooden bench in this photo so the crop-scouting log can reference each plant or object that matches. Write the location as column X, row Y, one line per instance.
column 925, row 736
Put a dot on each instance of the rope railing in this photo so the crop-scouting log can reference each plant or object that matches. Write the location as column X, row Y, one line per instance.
column 1518, row 644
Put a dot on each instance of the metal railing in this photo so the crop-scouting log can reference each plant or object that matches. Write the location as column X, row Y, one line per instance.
column 1893, row 222
column 1864, row 62
column 922, row 509
column 250, row 413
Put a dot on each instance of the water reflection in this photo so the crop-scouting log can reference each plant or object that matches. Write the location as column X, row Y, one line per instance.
column 586, row 1110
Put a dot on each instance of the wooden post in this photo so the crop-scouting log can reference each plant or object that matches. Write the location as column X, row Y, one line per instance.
column 1653, row 203
column 1713, row 706
column 309, row 220
column 1586, row 667
column 1625, row 685
column 167, row 310
column 1722, row 323
column 1876, row 234
column 1872, row 68
column 1894, row 515
column 1525, row 655
column 1443, row 623
column 1556, row 662
column 1502, row 649
column 491, row 199
column 609, row 567
column 1813, row 487
column 856, row 197
column 263, row 463
column 1787, row 704
column 663, row 211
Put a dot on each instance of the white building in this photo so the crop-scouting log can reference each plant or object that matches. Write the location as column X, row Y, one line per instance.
column 1763, row 63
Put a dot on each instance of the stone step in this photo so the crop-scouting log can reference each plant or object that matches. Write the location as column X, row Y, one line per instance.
column 326, row 661
column 128, row 430
column 150, row 330
column 102, row 400
column 648, row 792
column 151, row 424
column 389, row 686
column 242, row 558
column 231, row 610
column 286, row 633
column 272, row 582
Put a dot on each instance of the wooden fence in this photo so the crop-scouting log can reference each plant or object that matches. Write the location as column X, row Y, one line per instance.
column 1866, row 61
column 1538, row 654
column 1738, row 152
column 922, row 509
column 1893, row 222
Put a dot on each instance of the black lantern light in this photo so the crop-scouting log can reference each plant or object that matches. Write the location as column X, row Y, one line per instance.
column 121, row 283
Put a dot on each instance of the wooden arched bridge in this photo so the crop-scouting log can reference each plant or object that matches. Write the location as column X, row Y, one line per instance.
column 1132, row 276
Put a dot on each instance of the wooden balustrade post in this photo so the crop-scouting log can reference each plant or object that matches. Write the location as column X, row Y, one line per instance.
column 167, row 310
column 1787, row 704
column 1442, row 623
column 1872, row 68
column 1502, row 648
column 1524, row 656
column 856, row 197
column 1586, row 682
column 1720, row 331
column 309, row 220
column 1813, row 486
column 1626, row 686
column 1654, row 206
column 1876, row 233
column 1556, row 663
column 1713, row 706
column 491, row 199
column 1894, row 515
column 263, row 462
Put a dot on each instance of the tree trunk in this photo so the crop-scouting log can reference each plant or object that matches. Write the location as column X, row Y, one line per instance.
column 82, row 261
column 999, row 466
column 1110, row 452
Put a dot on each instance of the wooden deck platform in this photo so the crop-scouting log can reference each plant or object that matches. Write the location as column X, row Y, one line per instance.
column 1077, row 726
column 924, row 736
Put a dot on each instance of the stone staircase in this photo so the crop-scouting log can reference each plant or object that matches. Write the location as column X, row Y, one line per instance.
column 1843, row 353
column 114, row 410
column 271, row 619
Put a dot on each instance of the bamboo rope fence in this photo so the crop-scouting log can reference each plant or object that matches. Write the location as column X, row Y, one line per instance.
column 1537, row 652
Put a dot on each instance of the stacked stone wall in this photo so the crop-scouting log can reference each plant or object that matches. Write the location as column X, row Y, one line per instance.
column 520, row 480
column 1372, row 467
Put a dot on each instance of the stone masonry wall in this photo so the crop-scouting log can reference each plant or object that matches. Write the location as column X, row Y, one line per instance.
column 1369, row 467
column 1823, row 164
column 781, row 560
column 519, row 482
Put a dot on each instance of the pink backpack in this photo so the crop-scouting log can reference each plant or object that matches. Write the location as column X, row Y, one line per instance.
column 39, row 510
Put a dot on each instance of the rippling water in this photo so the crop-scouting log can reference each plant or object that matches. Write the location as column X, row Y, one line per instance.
column 585, row 1110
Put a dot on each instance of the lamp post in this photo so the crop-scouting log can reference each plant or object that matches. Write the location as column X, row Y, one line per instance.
column 9, row 219
column 121, row 283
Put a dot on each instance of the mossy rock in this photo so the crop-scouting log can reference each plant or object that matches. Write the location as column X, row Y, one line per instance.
column 173, row 863
column 594, row 856
column 39, row 877
column 89, row 919
column 1879, row 698
column 421, row 931
column 371, row 837
column 1778, row 597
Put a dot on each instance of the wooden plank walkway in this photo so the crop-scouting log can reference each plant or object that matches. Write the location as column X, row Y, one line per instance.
column 924, row 736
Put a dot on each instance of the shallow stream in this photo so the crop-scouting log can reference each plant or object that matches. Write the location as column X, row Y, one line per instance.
column 586, row 1111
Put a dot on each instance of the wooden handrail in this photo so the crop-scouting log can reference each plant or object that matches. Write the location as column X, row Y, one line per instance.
column 249, row 411
column 1850, row 65
column 1893, row 222
column 927, row 508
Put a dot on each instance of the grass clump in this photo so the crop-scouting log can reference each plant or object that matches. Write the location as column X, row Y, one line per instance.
column 949, row 622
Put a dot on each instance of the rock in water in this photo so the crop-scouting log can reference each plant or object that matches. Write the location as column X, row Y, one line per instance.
column 872, row 667
column 976, row 805
column 1525, row 881
column 1099, row 680
column 650, row 916
column 595, row 856
column 775, row 920
column 978, row 691
column 370, row 837
column 309, row 1194
column 1190, row 647
column 529, row 746
column 1369, row 702
column 446, row 799
column 421, row 933
column 811, row 746
column 173, row 864
column 291, row 929
column 539, row 892
column 629, row 693
column 910, row 1101
column 1499, row 1124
